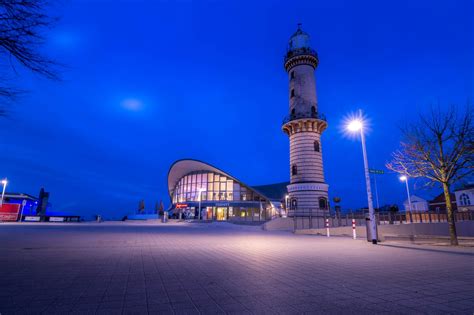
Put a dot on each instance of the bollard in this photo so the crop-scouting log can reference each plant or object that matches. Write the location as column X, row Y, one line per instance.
column 354, row 235
column 164, row 219
column 327, row 227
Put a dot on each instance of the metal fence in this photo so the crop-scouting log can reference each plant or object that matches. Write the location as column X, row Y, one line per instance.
column 315, row 220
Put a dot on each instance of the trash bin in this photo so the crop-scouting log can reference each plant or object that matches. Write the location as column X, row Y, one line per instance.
column 367, row 229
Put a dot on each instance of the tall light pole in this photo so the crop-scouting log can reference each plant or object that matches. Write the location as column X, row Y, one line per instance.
column 4, row 183
column 376, row 192
column 405, row 179
column 354, row 126
column 199, row 210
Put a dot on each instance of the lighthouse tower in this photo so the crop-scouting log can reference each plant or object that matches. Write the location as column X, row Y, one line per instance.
column 308, row 193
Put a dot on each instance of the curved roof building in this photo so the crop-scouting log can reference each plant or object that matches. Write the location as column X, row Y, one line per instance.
column 193, row 184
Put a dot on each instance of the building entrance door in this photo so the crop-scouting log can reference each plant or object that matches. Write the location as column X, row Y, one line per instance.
column 221, row 214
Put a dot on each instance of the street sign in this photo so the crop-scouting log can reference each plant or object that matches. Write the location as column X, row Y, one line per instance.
column 373, row 171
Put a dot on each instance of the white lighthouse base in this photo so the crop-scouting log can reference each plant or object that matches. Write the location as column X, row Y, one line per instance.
column 304, row 199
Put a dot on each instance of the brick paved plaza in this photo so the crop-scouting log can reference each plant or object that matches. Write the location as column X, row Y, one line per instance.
column 221, row 268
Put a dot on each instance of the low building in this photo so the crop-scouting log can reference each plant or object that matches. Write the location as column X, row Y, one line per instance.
column 28, row 202
column 25, row 207
column 417, row 204
column 194, row 185
column 438, row 204
column 465, row 197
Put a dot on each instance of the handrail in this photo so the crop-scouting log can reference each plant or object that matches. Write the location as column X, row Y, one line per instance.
column 300, row 51
column 296, row 116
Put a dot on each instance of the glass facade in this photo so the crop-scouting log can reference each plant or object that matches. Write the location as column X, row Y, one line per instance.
column 222, row 198
column 213, row 187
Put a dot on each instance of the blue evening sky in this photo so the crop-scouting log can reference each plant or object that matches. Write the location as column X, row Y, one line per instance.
column 150, row 82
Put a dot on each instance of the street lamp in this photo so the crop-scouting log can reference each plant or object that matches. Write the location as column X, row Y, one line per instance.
column 405, row 179
column 4, row 183
column 286, row 205
column 354, row 126
column 199, row 210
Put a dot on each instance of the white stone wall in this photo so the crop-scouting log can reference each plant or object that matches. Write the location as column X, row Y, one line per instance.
column 302, row 154
column 304, row 85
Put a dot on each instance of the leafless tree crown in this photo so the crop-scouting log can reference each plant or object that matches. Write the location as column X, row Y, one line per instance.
column 22, row 23
column 440, row 147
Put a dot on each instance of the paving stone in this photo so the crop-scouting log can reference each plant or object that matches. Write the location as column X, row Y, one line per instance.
column 140, row 268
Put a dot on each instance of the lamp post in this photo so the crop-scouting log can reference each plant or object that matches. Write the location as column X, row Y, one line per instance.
column 354, row 126
column 199, row 210
column 405, row 179
column 4, row 183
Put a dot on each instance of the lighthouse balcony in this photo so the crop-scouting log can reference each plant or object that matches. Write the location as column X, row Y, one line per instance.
column 296, row 116
column 300, row 52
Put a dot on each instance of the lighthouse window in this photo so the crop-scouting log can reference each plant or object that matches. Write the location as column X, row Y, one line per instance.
column 294, row 204
column 316, row 146
column 294, row 170
column 292, row 92
column 292, row 74
column 323, row 204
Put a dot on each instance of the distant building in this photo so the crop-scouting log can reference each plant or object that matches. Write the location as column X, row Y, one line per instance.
column 417, row 204
column 30, row 202
column 194, row 185
column 465, row 197
column 438, row 204
column 28, row 209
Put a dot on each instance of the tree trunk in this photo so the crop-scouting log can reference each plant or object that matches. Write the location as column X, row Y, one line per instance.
column 449, row 210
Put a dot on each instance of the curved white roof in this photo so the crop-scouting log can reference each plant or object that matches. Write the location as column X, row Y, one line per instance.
column 183, row 167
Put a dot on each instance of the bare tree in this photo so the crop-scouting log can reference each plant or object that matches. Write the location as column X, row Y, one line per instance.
column 22, row 23
column 439, row 148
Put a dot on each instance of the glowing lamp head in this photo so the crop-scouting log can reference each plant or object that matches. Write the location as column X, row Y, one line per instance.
column 354, row 125
column 4, row 181
column 403, row 178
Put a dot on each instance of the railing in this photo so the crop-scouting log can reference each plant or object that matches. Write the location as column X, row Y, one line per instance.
column 309, row 219
column 303, row 115
column 299, row 52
